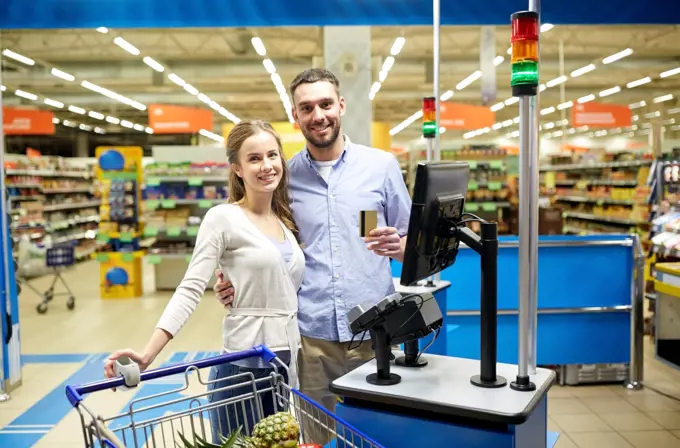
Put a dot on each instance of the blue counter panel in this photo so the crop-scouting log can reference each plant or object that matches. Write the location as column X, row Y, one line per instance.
column 393, row 429
column 568, row 276
column 562, row 338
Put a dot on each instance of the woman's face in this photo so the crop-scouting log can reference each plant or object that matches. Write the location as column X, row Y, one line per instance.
column 260, row 165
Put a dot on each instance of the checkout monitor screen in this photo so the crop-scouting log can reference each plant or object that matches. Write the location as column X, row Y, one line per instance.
column 438, row 203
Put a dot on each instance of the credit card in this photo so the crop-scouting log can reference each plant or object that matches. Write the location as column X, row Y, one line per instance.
column 369, row 221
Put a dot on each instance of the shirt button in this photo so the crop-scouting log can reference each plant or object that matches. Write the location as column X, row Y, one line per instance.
column 335, row 249
column 337, row 275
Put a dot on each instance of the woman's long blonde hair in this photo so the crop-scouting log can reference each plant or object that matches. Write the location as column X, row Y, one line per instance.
column 237, row 190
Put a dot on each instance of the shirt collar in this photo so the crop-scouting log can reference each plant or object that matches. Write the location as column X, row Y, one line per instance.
column 348, row 144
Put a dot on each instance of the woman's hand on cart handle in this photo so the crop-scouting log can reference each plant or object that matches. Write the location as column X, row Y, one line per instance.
column 223, row 290
column 141, row 360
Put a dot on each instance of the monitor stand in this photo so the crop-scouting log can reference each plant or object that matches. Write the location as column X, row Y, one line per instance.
column 381, row 343
column 410, row 358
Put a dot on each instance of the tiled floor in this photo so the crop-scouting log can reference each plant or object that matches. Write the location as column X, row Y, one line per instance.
column 611, row 416
column 597, row 416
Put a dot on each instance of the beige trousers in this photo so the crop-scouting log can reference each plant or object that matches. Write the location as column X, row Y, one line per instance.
column 320, row 362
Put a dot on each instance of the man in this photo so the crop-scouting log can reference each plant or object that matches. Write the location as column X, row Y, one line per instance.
column 331, row 181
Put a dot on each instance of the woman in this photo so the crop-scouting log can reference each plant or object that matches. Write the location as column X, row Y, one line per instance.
column 252, row 240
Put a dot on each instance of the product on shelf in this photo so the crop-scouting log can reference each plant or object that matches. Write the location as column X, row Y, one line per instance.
column 187, row 169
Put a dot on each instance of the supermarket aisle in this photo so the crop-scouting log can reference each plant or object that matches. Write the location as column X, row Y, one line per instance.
column 65, row 347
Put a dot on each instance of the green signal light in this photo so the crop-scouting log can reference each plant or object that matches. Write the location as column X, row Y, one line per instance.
column 429, row 128
column 524, row 72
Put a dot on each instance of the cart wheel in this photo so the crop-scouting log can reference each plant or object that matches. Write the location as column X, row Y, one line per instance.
column 41, row 308
column 71, row 303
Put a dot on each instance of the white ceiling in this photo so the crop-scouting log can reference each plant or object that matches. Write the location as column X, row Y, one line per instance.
column 223, row 65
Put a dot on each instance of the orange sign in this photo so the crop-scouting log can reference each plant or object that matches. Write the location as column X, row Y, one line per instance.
column 17, row 121
column 465, row 116
column 167, row 119
column 600, row 115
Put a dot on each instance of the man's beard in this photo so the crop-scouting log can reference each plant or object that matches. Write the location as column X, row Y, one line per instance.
column 323, row 143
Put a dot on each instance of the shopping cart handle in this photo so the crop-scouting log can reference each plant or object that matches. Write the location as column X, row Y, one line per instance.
column 75, row 393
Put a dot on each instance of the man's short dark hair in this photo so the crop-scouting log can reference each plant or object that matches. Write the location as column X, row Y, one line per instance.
column 313, row 75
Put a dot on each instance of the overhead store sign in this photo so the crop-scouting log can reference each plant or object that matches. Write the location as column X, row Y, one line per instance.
column 167, row 119
column 601, row 115
column 17, row 121
column 465, row 116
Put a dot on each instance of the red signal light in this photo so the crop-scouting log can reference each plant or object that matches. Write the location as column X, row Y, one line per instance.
column 429, row 104
column 524, row 26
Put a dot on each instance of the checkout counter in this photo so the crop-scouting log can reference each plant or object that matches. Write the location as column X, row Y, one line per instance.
column 667, row 313
column 424, row 398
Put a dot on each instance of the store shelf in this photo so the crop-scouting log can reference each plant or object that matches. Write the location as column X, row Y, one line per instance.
column 607, row 219
column 53, row 201
column 176, row 197
column 596, row 182
column 77, row 205
column 594, row 200
column 155, row 180
column 49, row 173
column 599, row 196
column 595, row 165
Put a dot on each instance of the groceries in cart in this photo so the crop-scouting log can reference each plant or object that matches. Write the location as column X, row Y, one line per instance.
column 280, row 430
column 31, row 258
column 179, row 418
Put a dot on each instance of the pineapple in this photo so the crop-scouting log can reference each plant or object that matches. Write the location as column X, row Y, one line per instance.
column 280, row 430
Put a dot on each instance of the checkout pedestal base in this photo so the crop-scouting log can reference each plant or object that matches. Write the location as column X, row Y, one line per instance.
column 498, row 382
column 373, row 378
column 395, row 429
column 438, row 406
column 402, row 361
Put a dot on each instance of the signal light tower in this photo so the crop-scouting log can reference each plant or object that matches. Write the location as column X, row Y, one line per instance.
column 524, row 84
column 524, row 40
column 429, row 118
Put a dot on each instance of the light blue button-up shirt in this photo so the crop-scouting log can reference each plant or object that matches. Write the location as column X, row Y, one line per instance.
column 341, row 272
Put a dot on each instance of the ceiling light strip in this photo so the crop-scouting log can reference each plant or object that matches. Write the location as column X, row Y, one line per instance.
column 54, row 71
column 80, row 111
column 268, row 64
column 388, row 63
column 173, row 77
column 555, row 82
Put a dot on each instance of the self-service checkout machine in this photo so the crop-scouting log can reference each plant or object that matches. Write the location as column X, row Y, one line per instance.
column 432, row 400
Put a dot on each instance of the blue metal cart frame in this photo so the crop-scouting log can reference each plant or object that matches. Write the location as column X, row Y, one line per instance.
column 168, row 416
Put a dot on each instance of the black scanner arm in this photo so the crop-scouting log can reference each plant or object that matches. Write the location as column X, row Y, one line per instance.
column 486, row 245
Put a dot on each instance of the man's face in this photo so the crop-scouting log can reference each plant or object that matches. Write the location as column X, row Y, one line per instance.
column 317, row 111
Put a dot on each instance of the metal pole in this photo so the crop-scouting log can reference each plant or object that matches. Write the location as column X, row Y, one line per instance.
column 5, row 250
column 563, row 94
column 533, row 232
column 525, row 216
column 435, row 81
column 534, row 114
column 636, row 368
column 436, row 155
column 528, row 234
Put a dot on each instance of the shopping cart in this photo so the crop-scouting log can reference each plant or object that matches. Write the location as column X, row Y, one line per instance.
column 165, row 419
column 57, row 259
